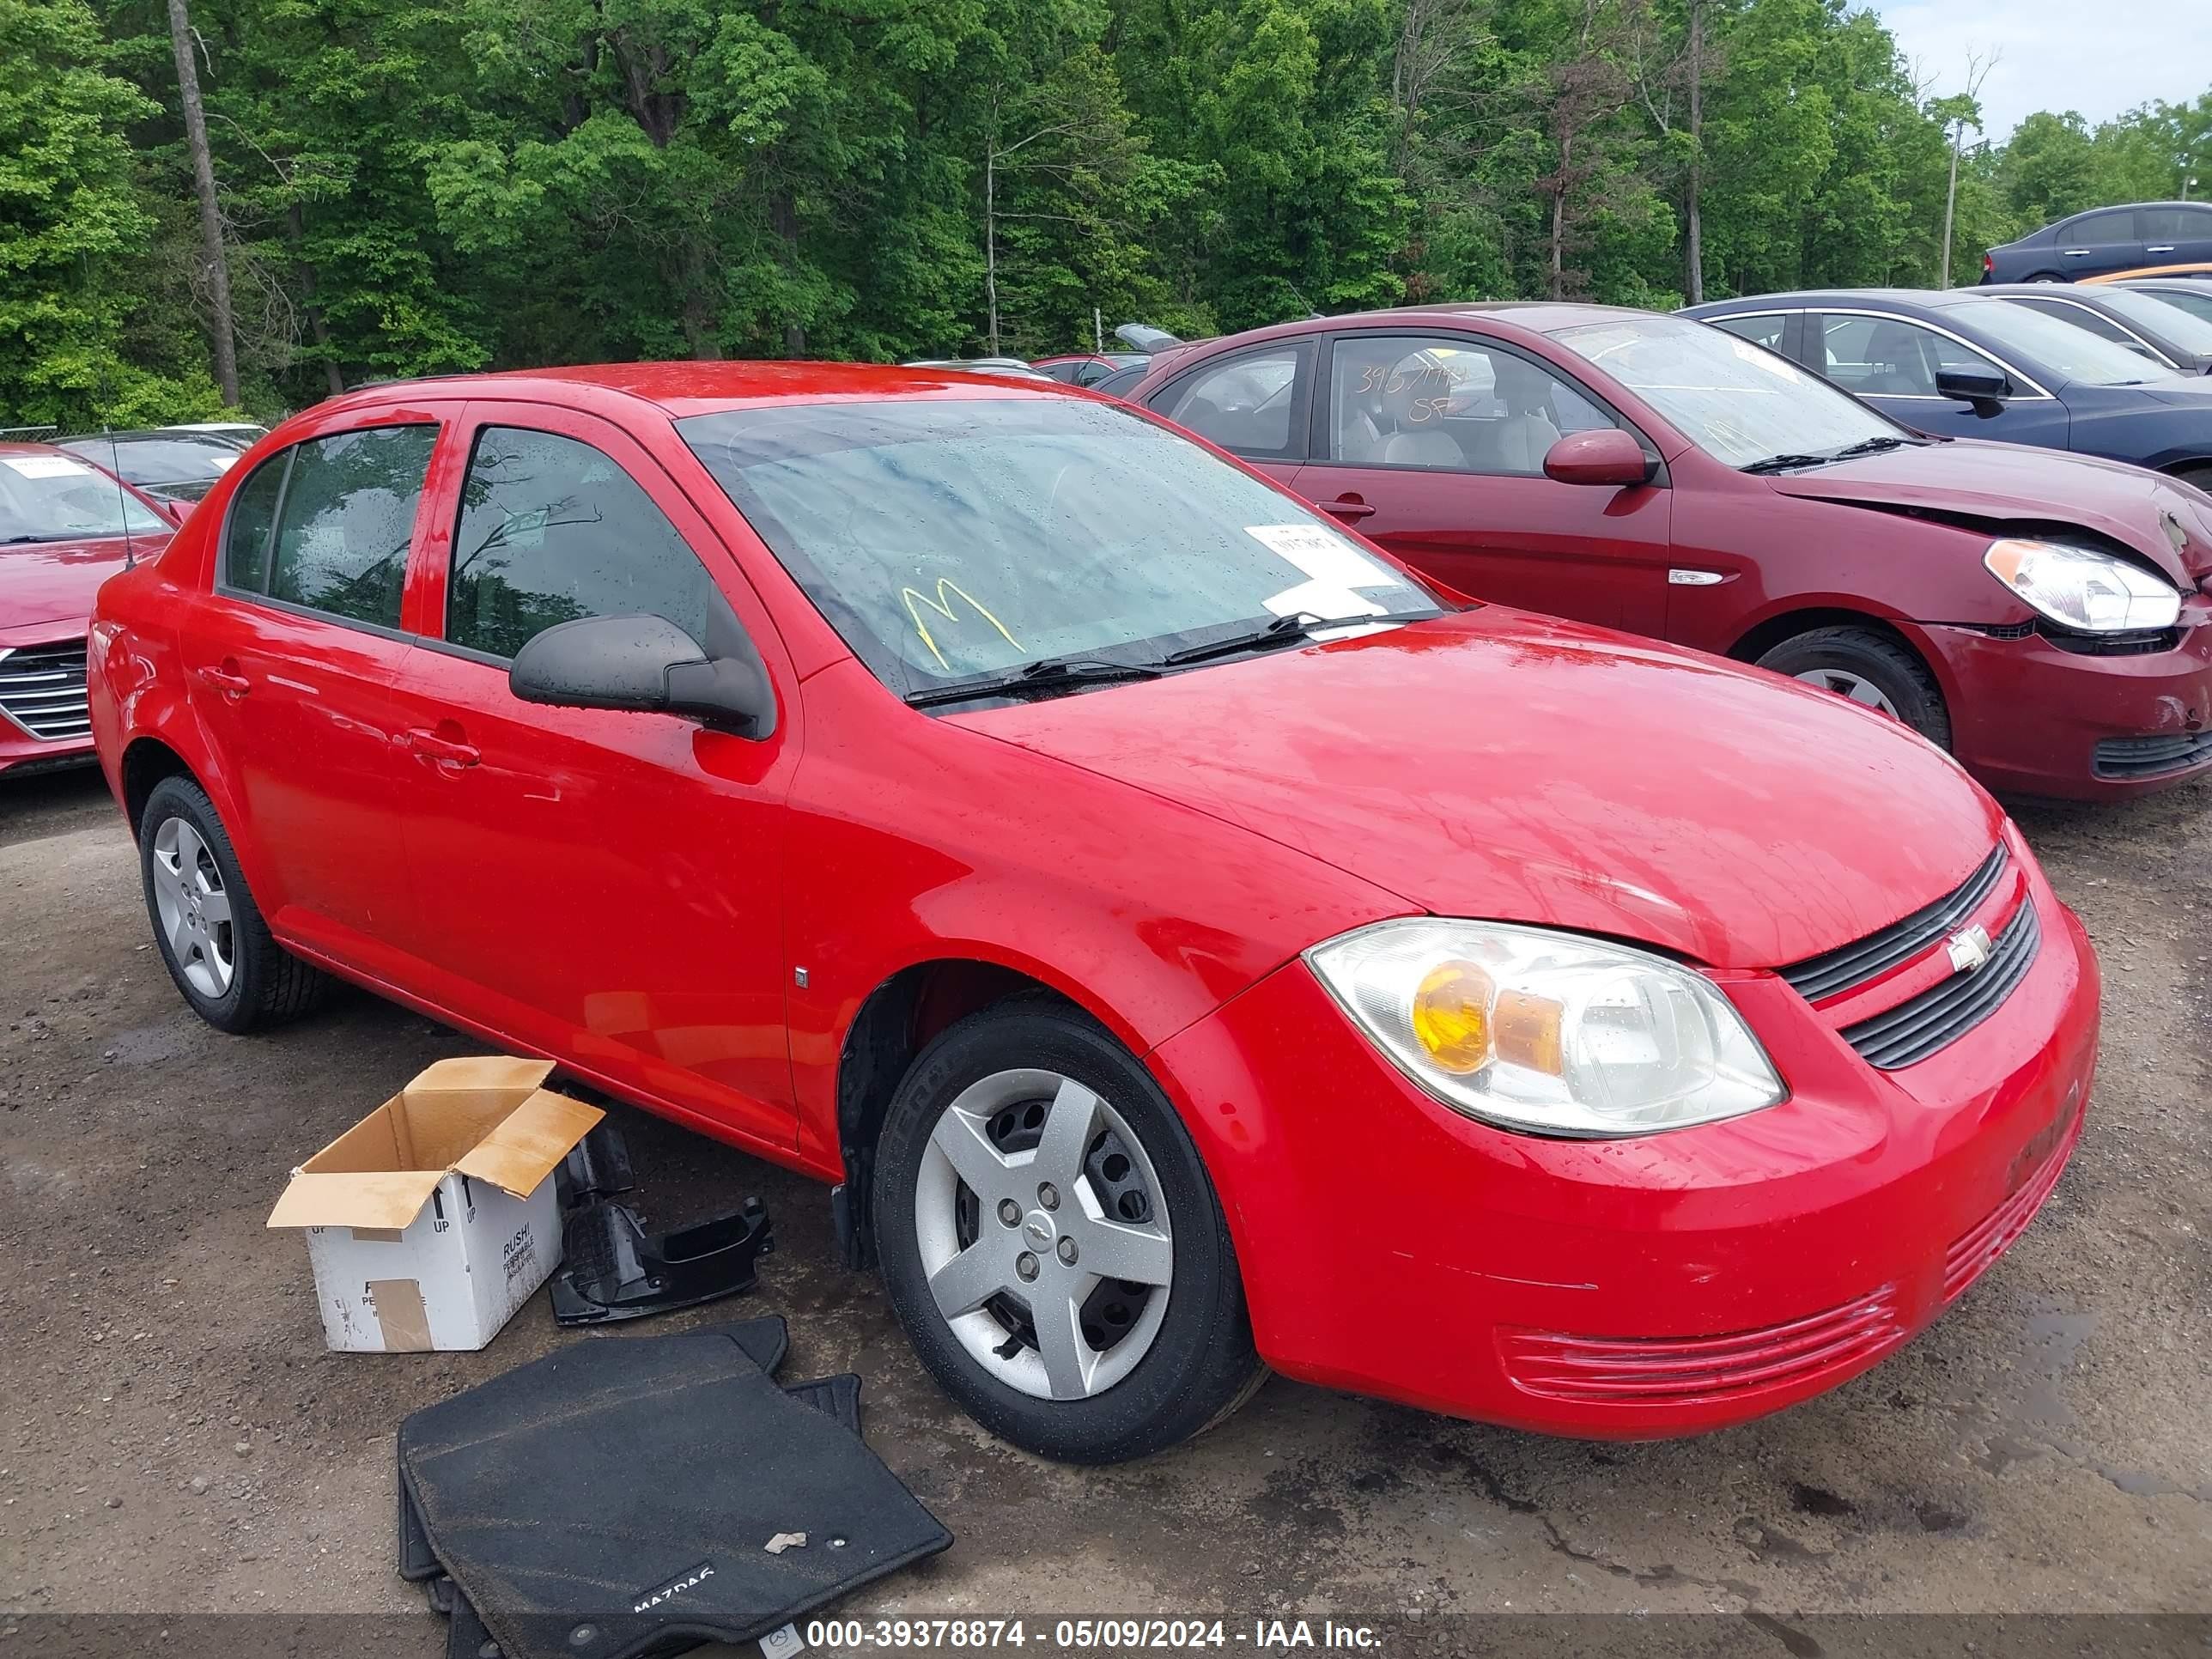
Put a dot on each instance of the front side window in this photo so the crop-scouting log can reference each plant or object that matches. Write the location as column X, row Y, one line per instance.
column 1244, row 403
column 346, row 519
column 1889, row 357
column 1448, row 403
column 552, row 530
column 946, row 539
column 1736, row 401
column 46, row 496
column 2173, row 224
column 2155, row 315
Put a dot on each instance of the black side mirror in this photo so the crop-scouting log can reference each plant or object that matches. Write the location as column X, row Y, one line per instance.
column 645, row 665
column 1985, row 388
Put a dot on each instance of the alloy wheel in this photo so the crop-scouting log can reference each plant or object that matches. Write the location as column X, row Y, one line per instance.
column 1042, row 1235
column 1852, row 688
column 194, row 909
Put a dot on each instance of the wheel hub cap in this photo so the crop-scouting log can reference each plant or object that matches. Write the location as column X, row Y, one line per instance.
column 1045, row 1289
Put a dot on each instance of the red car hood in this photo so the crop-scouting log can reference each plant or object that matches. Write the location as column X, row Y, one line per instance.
column 2168, row 522
column 54, row 581
column 1503, row 765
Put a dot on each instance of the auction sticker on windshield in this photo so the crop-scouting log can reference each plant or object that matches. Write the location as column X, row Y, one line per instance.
column 44, row 466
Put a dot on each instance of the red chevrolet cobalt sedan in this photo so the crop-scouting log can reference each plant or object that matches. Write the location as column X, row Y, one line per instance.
column 1189, row 943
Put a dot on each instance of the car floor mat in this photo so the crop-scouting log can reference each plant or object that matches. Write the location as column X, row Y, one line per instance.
column 833, row 1396
column 619, row 1499
column 765, row 1340
column 612, row 1269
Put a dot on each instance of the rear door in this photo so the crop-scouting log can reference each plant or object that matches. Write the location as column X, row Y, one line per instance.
column 606, row 886
column 2093, row 243
column 2179, row 234
column 1893, row 363
column 1433, row 446
column 290, row 666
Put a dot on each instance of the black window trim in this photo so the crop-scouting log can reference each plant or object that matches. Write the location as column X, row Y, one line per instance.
column 1317, row 446
column 224, row 586
column 1297, row 450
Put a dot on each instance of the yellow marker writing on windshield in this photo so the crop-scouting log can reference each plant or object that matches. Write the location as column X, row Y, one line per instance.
column 943, row 607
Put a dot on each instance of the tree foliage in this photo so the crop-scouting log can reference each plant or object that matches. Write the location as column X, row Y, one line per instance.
column 415, row 187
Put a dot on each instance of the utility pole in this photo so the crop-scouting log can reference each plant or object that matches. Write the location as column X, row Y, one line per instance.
column 1694, row 251
column 990, row 233
column 1957, row 112
column 211, row 249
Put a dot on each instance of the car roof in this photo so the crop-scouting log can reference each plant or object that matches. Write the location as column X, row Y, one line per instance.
column 1904, row 299
column 1533, row 316
column 682, row 389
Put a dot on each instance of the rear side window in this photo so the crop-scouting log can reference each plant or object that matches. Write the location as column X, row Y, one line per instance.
column 1767, row 330
column 1246, row 404
column 552, row 530
column 253, row 517
column 345, row 519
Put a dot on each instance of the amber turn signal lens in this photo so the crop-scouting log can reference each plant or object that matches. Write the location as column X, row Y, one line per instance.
column 1451, row 1017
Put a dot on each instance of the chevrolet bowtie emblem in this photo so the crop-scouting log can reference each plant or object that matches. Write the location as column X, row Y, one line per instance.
column 1969, row 950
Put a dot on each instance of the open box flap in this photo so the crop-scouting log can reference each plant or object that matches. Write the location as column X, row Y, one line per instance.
column 529, row 1143
column 474, row 1072
column 387, row 1199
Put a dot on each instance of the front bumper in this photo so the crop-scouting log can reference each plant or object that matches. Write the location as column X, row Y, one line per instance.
column 2030, row 718
column 1641, row 1288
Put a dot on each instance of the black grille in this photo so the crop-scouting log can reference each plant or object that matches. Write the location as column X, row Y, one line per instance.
column 2140, row 644
column 1852, row 965
column 2146, row 757
column 1913, row 1031
column 42, row 690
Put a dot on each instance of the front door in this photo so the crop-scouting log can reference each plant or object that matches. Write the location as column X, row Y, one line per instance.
column 1893, row 363
column 1433, row 446
column 289, row 666
column 606, row 886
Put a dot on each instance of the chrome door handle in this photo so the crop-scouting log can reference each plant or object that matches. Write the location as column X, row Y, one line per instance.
column 2166, row 248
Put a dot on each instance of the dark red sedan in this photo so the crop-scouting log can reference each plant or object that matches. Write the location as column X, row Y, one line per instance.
column 2046, row 617
column 1187, row 940
column 63, row 524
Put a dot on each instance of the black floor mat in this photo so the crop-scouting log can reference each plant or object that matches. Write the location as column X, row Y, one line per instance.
column 616, row 1498
column 765, row 1341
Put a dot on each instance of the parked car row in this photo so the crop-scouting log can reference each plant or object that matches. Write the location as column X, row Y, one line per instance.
column 2103, row 239
column 1189, row 932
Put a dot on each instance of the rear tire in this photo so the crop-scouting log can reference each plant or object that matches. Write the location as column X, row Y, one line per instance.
column 1862, row 665
column 976, row 1124
column 209, row 932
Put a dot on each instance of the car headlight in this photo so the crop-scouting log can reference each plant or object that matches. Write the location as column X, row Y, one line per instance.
column 1547, row 1033
column 2080, row 588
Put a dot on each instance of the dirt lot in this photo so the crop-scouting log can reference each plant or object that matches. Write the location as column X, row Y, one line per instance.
column 175, row 1439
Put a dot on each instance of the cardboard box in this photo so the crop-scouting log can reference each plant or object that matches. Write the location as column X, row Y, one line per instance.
column 434, row 1218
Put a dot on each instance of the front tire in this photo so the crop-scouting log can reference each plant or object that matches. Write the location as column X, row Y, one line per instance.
column 1052, row 1243
column 1870, row 669
column 209, row 930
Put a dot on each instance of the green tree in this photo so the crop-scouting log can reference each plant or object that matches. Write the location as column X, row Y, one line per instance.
column 72, row 232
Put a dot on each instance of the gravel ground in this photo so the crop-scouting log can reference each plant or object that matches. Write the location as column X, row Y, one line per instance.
column 177, row 1441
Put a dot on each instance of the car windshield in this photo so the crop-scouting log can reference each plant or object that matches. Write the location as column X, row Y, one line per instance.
column 2195, row 303
column 951, row 538
column 164, row 460
column 2154, row 313
column 2049, row 347
column 1737, row 401
column 55, row 498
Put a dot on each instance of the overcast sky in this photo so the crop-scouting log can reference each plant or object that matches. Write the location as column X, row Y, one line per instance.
column 2099, row 57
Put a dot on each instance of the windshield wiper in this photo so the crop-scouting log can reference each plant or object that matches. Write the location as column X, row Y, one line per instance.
column 1036, row 678
column 1283, row 630
column 1786, row 462
column 1869, row 446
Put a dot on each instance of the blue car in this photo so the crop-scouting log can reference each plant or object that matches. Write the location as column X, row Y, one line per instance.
column 2104, row 239
column 1966, row 364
